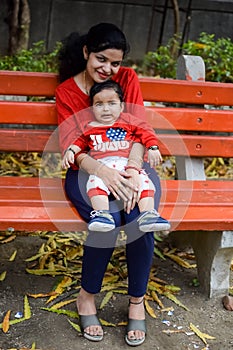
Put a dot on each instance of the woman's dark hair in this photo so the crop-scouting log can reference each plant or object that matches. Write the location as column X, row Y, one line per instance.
column 100, row 37
column 106, row 85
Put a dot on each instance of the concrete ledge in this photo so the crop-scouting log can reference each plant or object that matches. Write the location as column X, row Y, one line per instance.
column 214, row 253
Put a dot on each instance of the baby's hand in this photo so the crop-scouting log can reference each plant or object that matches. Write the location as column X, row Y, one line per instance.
column 67, row 159
column 154, row 157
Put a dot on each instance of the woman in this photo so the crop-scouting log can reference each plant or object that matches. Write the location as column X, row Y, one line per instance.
column 97, row 57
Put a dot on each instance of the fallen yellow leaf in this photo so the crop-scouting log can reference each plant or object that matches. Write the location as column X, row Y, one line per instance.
column 150, row 310
column 106, row 323
column 2, row 276
column 106, row 299
column 156, row 299
column 12, row 257
column 175, row 300
column 27, row 309
column 42, row 295
column 66, row 282
column 201, row 335
column 63, row 303
column 9, row 239
column 5, row 323
column 180, row 261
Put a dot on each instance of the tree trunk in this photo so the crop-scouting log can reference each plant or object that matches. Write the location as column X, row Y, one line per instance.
column 175, row 46
column 19, row 25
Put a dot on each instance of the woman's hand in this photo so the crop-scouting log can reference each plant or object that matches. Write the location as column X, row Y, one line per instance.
column 135, row 180
column 118, row 182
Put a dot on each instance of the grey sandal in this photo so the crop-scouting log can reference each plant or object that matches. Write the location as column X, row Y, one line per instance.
column 87, row 321
column 135, row 325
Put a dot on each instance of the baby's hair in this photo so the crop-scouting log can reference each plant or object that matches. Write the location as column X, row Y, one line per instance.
column 106, row 85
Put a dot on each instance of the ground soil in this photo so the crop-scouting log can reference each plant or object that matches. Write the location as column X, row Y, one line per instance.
column 49, row 331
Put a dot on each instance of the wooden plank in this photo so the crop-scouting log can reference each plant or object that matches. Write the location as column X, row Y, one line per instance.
column 28, row 113
column 182, row 91
column 56, row 197
column 169, row 118
column 19, row 140
column 196, row 145
column 202, row 205
column 166, row 90
column 169, row 185
column 41, row 218
column 160, row 118
column 27, row 83
column 63, row 219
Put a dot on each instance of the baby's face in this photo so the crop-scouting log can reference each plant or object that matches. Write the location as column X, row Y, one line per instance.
column 107, row 106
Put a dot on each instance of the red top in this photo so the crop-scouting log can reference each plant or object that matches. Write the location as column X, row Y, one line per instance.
column 72, row 104
column 117, row 139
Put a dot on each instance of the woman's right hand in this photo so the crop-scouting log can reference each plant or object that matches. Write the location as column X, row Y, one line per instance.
column 118, row 182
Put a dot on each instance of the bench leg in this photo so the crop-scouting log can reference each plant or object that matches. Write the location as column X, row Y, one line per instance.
column 214, row 253
column 190, row 168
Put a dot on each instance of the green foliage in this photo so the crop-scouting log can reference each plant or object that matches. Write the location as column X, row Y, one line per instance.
column 217, row 55
column 161, row 62
column 36, row 59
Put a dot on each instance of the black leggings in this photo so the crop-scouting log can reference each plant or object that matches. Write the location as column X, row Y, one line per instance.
column 99, row 246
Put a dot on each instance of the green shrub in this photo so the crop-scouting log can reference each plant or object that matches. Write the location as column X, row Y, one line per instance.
column 217, row 55
column 36, row 59
column 160, row 62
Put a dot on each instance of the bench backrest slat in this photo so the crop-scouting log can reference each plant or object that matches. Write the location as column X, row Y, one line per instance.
column 28, row 113
column 183, row 91
column 160, row 90
column 160, row 118
column 170, row 144
column 27, row 83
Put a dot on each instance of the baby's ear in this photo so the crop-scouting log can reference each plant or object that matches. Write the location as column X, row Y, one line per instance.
column 122, row 106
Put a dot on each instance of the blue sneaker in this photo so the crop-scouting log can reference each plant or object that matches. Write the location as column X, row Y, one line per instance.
column 101, row 221
column 150, row 221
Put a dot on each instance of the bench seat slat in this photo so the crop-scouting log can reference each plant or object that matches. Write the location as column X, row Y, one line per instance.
column 24, row 191
column 21, row 202
column 11, row 196
column 39, row 218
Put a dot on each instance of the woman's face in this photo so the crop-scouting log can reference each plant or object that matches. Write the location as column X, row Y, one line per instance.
column 103, row 65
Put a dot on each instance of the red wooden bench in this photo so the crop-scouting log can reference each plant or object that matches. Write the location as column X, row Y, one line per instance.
column 200, row 210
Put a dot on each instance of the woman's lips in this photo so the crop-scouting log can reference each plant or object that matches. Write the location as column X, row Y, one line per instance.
column 103, row 76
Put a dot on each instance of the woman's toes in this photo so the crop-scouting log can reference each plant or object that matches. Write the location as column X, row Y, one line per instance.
column 136, row 335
